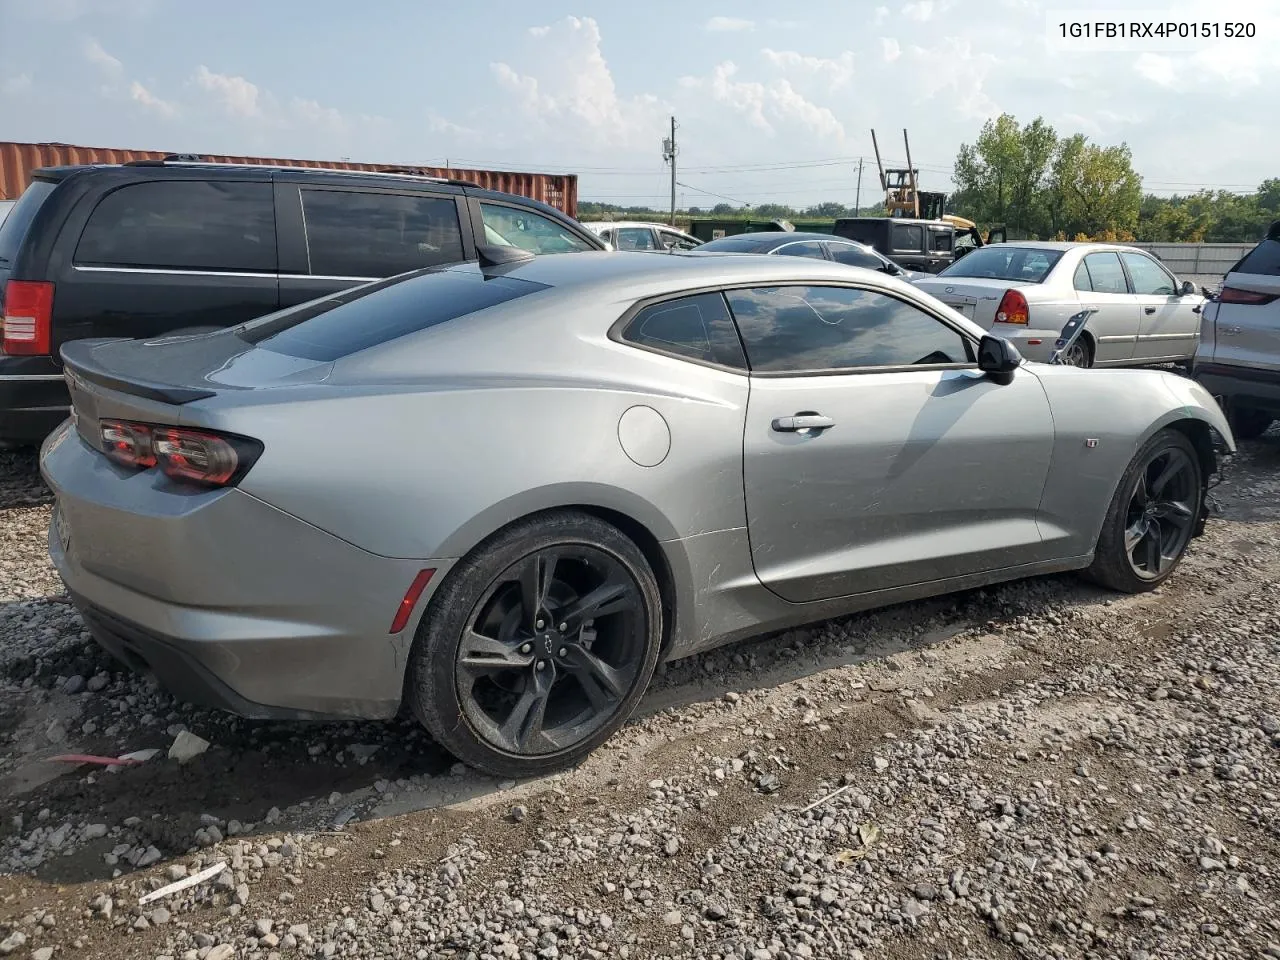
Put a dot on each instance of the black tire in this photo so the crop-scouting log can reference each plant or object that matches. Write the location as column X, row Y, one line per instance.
column 1248, row 423
column 1114, row 565
column 611, row 654
column 1080, row 354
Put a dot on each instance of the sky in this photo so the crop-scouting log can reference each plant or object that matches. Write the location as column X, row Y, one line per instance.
column 774, row 102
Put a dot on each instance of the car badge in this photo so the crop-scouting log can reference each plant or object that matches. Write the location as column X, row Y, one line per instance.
column 949, row 290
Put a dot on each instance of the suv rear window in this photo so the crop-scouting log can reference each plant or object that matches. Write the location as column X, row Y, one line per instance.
column 377, row 313
column 219, row 225
column 1262, row 261
column 364, row 234
column 14, row 227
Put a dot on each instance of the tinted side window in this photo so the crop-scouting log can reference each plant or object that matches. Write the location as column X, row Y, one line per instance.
column 1105, row 273
column 13, row 229
column 1149, row 278
column 1081, row 280
column 908, row 237
column 808, row 248
column 941, row 240
column 518, row 227
column 793, row 329
column 699, row 328
column 352, row 234
column 183, row 225
column 854, row 256
column 1263, row 260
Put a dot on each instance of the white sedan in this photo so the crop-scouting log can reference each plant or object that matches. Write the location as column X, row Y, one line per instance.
column 635, row 235
column 1024, row 292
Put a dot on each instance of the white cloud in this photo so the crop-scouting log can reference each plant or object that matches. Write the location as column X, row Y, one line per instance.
column 539, row 31
column 1158, row 69
column 836, row 72
column 922, row 10
column 882, row 14
column 767, row 107
column 571, row 83
column 311, row 112
column 237, row 95
column 140, row 94
column 99, row 57
column 964, row 80
column 728, row 24
column 890, row 49
column 65, row 11
column 15, row 84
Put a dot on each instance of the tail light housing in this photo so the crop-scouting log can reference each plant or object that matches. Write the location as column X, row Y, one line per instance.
column 1013, row 308
column 28, row 318
column 1236, row 295
column 206, row 457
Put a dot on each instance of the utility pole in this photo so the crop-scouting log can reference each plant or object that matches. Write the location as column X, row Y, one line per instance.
column 669, row 155
column 857, row 200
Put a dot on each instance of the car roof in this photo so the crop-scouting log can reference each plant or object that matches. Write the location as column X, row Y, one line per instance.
column 1065, row 245
column 610, row 224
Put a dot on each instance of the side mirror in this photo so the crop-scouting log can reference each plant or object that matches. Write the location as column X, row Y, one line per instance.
column 1188, row 289
column 998, row 358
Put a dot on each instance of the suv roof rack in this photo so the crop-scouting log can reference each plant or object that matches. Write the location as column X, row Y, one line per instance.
column 195, row 160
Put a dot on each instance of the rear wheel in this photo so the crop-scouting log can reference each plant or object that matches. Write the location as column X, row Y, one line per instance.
column 1080, row 354
column 1248, row 423
column 1152, row 517
column 538, row 646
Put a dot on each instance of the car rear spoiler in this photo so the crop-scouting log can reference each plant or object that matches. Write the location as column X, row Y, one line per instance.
column 77, row 358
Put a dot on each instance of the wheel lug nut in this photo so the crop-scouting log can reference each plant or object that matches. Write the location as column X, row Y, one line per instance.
column 526, row 648
column 540, row 624
column 564, row 651
column 542, row 665
column 564, row 627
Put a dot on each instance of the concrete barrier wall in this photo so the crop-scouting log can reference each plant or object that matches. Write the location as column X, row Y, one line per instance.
column 1203, row 263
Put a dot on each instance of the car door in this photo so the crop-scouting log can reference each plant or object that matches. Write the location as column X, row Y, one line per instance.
column 348, row 235
column 907, row 247
column 876, row 454
column 1101, row 283
column 1169, row 327
column 940, row 241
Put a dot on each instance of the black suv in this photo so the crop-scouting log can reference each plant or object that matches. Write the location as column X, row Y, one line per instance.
column 147, row 248
column 925, row 245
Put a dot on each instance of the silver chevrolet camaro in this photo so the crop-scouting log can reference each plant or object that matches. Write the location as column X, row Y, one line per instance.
column 496, row 494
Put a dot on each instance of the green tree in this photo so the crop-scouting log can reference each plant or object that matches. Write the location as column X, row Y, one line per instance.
column 1000, row 178
column 1093, row 190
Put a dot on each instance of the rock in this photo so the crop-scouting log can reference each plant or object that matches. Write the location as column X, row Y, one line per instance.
column 715, row 910
column 150, row 856
column 98, row 683
column 175, row 871
column 242, row 894
column 262, row 927
column 44, row 953
column 56, row 732
column 187, row 746
column 160, row 916
column 518, row 813
column 95, row 831
column 880, row 764
column 223, row 951
column 74, row 685
column 768, row 783
column 377, row 902
column 926, row 891
column 672, row 847
column 15, row 941
column 673, row 918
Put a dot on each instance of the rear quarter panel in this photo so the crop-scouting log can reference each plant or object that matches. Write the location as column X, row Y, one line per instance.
column 426, row 449
column 1120, row 410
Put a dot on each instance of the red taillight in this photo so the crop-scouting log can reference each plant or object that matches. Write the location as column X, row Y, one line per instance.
column 199, row 456
column 1235, row 295
column 128, row 444
column 411, row 599
column 1013, row 308
column 28, row 318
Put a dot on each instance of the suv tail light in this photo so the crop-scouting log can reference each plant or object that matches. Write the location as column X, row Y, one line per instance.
column 199, row 456
column 1013, row 308
column 28, row 317
column 1235, row 295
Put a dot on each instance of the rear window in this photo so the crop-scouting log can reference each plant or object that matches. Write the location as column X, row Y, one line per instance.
column 1004, row 262
column 14, row 227
column 377, row 313
column 733, row 245
column 1262, row 261
column 183, row 225
column 861, row 231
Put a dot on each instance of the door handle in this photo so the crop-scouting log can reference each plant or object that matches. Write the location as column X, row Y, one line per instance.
column 1148, row 310
column 802, row 421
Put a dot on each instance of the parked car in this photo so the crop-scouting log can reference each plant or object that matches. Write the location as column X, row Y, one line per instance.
column 1238, row 358
column 500, row 494
column 144, row 248
column 634, row 235
column 927, row 246
column 819, row 246
column 1026, row 291
column 5, row 207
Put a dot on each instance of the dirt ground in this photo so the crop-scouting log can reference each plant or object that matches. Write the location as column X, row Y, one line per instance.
column 1039, row 770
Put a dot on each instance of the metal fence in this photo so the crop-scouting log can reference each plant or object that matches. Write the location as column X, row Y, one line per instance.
column 1205, row 263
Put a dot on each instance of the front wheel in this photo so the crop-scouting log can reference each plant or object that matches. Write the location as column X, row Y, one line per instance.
column 538, row 646
column 1152, row 517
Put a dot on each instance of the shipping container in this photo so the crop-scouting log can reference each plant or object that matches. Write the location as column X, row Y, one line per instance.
column 18, row 160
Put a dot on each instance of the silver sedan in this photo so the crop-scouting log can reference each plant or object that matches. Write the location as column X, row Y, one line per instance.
column 1026, row 291
column 499, row 493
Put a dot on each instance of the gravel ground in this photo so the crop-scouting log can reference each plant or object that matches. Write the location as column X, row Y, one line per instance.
column 1038, row 770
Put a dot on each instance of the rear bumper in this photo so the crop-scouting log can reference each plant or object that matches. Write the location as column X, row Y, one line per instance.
column 33, row 398
column 1034, row 345
column 1243, row 386
column 229, row 601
